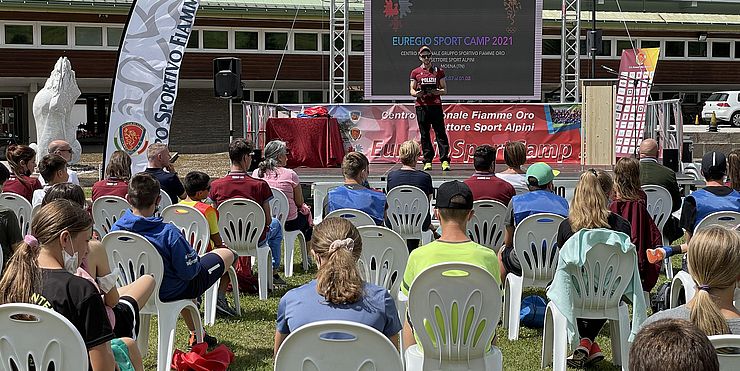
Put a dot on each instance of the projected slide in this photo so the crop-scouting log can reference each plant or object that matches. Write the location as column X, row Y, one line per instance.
column 490, row 50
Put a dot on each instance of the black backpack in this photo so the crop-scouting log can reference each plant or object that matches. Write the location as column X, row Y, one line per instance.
column 661, row 299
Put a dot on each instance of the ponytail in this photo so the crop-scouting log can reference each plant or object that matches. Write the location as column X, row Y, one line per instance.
column 714, row 263
column 273, row 150
column 733, row 169
column 338, row 244
column 268, row 164
column 22, row 276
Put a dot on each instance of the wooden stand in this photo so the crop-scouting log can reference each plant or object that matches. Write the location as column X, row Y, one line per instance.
column 597, row 122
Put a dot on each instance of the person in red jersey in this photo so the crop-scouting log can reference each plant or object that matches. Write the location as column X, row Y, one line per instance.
column 427, row 86
column 117, row 174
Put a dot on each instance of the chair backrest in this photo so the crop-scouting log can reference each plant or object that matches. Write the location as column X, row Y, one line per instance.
column 192, row 223
column 241, row 222
column 41, row 334
column 21, row 207
column 486, row 227
column 279, row 205
column 728, row 361
column 536, row 246
column 164, row 202
column 337, row 345
column 659, row 204
column 603, row 279
column 357, row 217
column 384, row 256
column 408, row 206
column 727, row 219
column 106, row 211
column 134, row 256
column 466, row 299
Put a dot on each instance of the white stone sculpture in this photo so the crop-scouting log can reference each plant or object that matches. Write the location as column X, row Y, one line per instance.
column 52, row 108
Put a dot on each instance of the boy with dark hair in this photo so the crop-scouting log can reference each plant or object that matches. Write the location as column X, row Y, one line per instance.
column 672, row 344
column 454, row 209
column 186, row 275
column 484, row 183
column 10, row 230
column 197, row 186
column 53, row 168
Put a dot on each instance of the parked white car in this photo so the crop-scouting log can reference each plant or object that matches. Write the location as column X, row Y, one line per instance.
column 725, row 105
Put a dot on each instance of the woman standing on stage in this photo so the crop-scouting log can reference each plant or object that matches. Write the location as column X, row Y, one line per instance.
column 427, row 86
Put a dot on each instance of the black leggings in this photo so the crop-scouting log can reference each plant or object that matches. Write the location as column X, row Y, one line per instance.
column 589, row 328
column 300, row 223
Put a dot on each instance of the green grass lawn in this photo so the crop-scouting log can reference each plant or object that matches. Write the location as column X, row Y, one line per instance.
column 251, row 336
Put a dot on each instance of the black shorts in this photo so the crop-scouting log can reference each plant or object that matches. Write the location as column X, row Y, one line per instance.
column 127, row 318
column 211, row 269
column 510, row 261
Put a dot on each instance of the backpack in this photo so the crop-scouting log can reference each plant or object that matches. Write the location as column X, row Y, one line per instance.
column 661, row 299
column 532, row 314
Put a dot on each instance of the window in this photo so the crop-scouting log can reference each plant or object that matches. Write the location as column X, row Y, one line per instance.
column 357, row 43
column 194, row 40
column 313, row 96
column 19, row 34
column 288, row 96
column 737, row 49
column 305, row 41
column 606, row 48
column 275, row 40
column 262, row 96
column 53, row 35
column 718, row 97
column 624, row 45
column 215, row 39
column 697, row 49
column 650, row 44
column 246, row 40
column 674, row 48
column 721, row 49
column 89, row 36
column 325, row 43
column 551, row 47
column 113, row 35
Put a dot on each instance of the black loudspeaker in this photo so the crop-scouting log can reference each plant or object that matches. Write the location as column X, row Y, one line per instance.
column 670, row 158
column 593, row 40
column 687, row 150
column 227, row 78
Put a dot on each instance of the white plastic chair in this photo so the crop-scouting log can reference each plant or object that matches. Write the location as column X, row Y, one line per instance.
column 535, row 244
column 106, row 210
column 659, row 204
column 682, row 282
column 727, row 361
column 279, row 209
column 486, row 227
column 383, row 260
column 727, row 219
column 356, row 217
column 597, row 294
column 458, row 293
column 164, row 202
column 134, row 256
column 194, row 227
column 241, row 223
column 337, row 345
column 47, row 337
column 21, row 207
column 408, row 206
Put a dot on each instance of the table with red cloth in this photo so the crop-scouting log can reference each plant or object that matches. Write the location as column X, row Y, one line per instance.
column 312, row 142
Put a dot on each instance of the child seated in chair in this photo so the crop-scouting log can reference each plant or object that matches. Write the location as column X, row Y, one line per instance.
column 197, row 185
column 186, row 275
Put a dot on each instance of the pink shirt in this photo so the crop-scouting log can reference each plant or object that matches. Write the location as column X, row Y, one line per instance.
column 285, row 180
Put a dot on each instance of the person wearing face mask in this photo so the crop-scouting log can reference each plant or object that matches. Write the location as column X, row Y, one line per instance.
column 42, row 271
column 427, row 86
column 22, row 162
column 353, row 194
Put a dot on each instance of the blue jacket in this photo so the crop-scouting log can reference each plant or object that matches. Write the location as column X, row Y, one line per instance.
column 181, row 262
column 536, row 202
column 708, row 203
column 367, row 200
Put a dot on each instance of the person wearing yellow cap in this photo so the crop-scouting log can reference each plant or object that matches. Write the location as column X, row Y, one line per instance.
column 427, row 86
column 540, row 199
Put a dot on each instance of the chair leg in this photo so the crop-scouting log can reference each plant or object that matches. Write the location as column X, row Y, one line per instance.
column 624, row 333
column 506, row 305
column 304, row 252
column 142, row 338
column 235, row 291
column 676, row 289
column 289, row 242
column 547, row 338
column 515, row 305
column 209, row 307
column 559, row 339
column 668, row 268
column 264, row 275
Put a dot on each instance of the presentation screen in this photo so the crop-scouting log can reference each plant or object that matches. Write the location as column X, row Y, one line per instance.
column 489, row 50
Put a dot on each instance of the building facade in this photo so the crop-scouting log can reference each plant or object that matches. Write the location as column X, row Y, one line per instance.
column 284, row 49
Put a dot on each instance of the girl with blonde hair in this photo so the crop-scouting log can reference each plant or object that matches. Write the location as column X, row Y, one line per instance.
column 338, row 292
column 589, row 209
column 714, row 264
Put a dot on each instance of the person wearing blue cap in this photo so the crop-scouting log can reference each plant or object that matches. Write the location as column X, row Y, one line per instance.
column 539, row 199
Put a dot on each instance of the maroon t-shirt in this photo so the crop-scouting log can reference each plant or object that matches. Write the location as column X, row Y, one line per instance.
column 241, row 185
column 428, row 77
column 109, row 187
column 24, row 188
column 487, row 186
